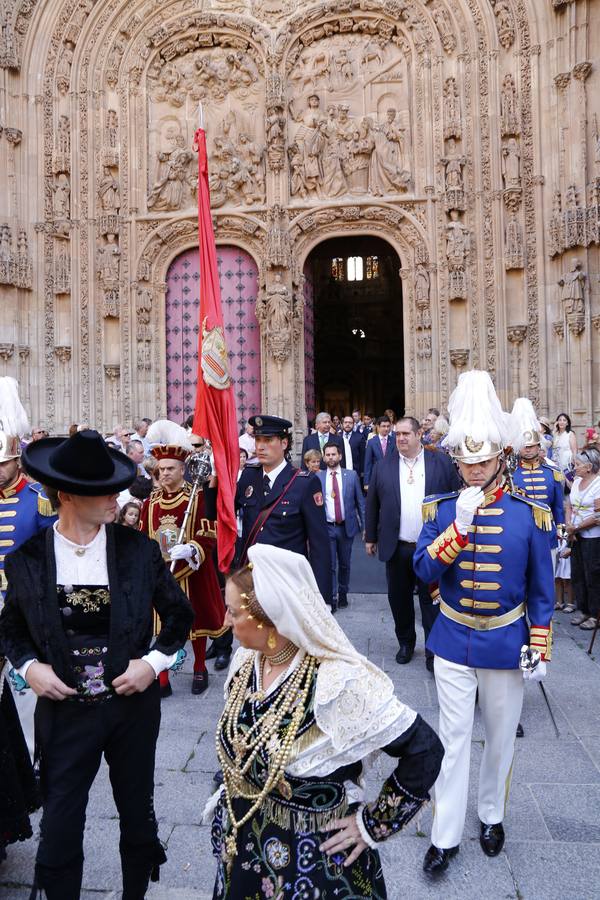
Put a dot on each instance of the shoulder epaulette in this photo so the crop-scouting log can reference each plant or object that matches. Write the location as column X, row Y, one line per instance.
column 44, row 507
column 303, row 473
column 558, row 475
column 430, row 504
column 541, row 511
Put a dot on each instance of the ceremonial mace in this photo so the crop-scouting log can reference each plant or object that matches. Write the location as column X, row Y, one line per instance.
column 200, row 468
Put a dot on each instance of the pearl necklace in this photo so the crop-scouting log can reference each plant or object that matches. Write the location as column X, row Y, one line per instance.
column 279, row 659
column 248, row 743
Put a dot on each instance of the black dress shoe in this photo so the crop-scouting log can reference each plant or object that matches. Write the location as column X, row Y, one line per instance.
column 212, row 651
column 199, row 682
column 491, row 839
column 342, row 601
column 222, row 661
column 165, row 690
column 520, row 731
column 436, row 860
column 404, row 655
column 429, row 663
column 332, row 608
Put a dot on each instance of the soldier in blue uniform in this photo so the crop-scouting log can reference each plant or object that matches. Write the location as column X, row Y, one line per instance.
column 534, row 477
column 282, row 505
column 486, row 548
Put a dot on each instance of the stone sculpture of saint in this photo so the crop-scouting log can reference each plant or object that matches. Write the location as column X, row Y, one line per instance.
column 277, row 307
column 108, row 192
column 573, row 289
column 511, row 165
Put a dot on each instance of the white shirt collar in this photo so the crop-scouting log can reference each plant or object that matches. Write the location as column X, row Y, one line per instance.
column 415, row 459
column 272, row 475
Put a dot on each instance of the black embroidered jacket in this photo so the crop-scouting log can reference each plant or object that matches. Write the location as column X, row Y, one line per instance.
column 139, row 581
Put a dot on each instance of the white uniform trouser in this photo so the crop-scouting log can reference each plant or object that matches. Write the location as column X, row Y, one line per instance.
column 500, row 700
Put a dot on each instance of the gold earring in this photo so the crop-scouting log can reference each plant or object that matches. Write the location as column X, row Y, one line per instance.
column 271, row 640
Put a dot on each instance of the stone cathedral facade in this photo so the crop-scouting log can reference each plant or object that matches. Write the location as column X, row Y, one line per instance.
column 465, row 133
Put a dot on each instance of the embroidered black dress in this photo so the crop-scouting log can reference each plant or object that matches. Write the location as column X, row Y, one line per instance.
column 278, row 852
column 18, row 790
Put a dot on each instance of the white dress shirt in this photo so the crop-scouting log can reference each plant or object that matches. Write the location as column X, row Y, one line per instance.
column 329, row 494
column 411, row 497
column 347, row 449
column 89, row 567
column 272, row 475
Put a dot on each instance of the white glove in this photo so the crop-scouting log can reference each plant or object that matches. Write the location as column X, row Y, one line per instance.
column 187, row 552
column 466, row 505
column 535, row 674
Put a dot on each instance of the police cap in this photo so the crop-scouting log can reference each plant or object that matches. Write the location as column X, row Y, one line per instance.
column 270, row 425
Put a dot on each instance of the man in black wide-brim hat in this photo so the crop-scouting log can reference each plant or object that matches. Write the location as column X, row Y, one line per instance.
column 77, row 625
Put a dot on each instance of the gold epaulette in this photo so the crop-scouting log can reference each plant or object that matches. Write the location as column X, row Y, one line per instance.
column 430, row 505
column 558, row 475
column 542, row 513
column 44, row 506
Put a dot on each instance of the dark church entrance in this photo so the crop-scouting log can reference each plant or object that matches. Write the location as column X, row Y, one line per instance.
column 354, row 332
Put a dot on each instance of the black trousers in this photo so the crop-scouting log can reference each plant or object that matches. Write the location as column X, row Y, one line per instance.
column 401, row 581
column 73, row 737
column 585, row 574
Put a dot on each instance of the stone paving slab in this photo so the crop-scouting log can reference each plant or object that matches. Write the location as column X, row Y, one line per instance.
column 552, row 821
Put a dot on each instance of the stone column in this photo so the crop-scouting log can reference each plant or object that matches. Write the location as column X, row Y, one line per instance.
column 113, row 375
column 63, row 385
column 516, row 335
column 6, row 353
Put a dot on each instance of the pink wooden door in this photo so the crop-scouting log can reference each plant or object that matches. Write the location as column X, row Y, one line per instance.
column 238, row 276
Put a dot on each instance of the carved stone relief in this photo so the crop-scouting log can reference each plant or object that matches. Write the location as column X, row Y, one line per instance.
column 350, row 108
column 415, row 121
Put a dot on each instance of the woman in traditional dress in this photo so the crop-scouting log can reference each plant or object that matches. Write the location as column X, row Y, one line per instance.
column 303, row 710
column 19, row 794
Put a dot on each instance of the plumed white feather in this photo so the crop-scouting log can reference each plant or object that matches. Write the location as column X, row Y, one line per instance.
column 475, row 411
column 523, row 418
column 13, row 418
column 163, row 431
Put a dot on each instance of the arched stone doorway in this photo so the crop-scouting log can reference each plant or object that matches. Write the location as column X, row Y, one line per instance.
column 354, row 342
column 238, row 277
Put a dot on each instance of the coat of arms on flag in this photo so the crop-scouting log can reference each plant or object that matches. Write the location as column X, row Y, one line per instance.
column 215, row 367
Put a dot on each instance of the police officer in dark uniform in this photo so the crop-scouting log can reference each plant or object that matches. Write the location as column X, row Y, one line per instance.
column 282, row 505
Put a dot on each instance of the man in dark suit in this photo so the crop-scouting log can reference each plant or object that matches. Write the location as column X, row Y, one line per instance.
column 345, row 513
column 319, row 438
column 282, row 505
column 378, row 446
column 398, row 486
column 353, row 447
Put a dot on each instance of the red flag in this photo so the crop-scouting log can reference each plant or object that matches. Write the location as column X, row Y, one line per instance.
column 214, row 415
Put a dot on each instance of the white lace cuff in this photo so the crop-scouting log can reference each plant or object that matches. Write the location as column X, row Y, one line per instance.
column 363, row 831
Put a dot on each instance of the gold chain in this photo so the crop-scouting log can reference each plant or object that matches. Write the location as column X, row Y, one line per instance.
column 247, row 744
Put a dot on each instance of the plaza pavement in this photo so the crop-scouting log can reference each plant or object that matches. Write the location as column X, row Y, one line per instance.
column 553, row 821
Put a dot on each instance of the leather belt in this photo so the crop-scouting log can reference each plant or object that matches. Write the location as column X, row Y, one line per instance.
column 482, row 623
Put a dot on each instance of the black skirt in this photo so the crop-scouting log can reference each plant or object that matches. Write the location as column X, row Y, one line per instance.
column 19, row 794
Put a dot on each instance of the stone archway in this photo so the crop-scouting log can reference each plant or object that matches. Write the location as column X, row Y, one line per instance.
column 238, row 276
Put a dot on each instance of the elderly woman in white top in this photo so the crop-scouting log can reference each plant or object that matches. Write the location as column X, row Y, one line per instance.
column 583, row 530
column 303, row 710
